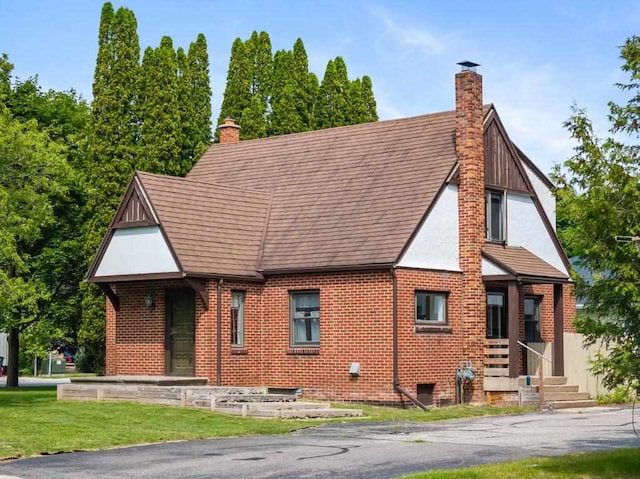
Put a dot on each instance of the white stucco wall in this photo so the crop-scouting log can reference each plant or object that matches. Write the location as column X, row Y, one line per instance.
column 137, row 251
column 546, row 197
column 490, row 269
column 525, row 228
column 436, row 244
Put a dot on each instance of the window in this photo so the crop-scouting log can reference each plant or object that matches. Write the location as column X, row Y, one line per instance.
column 496, row 317
column 237, row 318
column 431, row 307
column 532, row 320
column 305, row 318
column 495, row 216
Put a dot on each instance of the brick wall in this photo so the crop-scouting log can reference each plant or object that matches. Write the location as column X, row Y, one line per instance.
column 471, row 215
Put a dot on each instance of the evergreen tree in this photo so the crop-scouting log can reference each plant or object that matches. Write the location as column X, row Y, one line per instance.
column 331, row 107
column 253, row 121
column 356, row 108
column 160, row 121
column 113, row 135
column 237, row 94
column 370, row 108
column 199, row 135
column 305, row 84
column 285, row 116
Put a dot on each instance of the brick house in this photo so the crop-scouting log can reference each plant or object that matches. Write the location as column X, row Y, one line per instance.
column 355, row 263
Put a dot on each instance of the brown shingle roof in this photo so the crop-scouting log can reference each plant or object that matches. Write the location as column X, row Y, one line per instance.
column 521, row 262
column 213, row 229
column 343, row 196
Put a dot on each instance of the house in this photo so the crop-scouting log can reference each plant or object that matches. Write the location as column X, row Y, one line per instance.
column 365, row 262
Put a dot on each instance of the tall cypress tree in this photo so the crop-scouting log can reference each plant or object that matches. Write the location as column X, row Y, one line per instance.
column 160, row 122
column 306, row 85
column 331, row 106
column 113, row 134
column 356, row 108
column 368, row 99
column 285, row 116
column 237, row 95
column 199, row 96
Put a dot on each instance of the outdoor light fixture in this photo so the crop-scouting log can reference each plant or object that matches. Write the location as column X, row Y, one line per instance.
column 148, row 300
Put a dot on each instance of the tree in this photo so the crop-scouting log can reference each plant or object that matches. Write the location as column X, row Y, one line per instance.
column 194, row 102
column 331, row 106
column 113, row 146
column 159, row 112
column 369, row 101
column 285, row 116
column 33, row 177
column 237, row 95
column 599, row 198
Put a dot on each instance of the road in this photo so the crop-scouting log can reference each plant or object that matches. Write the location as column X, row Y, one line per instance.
column 350, row 450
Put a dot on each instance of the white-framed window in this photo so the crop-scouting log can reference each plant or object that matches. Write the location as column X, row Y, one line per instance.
column 495, row 215
column 237, row 318
column 305, row 318
column 431, row 307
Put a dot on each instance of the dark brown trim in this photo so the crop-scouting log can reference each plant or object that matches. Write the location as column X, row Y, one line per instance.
column 423, row 323
column 97, row 259
column 499, row 263
column 508, row 190
column 265, row 228
column 111, row 294
column 528, row 279
column 558, row 330
column 552, row 233
column 219, row 334
column 200, row 289
column 328, row 269
column 423, row 219
column 135, row 277
column 538, row 172
column 513, row 327
column 490, row 278
column 133, row 224
column 396, row 378
column 162, row 229
column 134, row 187
column 227, row 277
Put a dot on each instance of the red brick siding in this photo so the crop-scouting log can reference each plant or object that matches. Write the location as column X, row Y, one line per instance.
column 430, row 357
column 471, row 216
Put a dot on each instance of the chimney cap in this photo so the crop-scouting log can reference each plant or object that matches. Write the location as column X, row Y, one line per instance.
column 468, row 66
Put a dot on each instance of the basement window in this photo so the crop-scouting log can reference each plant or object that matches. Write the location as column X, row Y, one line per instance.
column 305, row 318
column 495, row 216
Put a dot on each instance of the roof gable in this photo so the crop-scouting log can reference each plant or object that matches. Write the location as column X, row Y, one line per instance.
column 134, row 209
column 502, row 167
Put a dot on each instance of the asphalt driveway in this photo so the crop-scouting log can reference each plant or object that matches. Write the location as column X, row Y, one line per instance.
column 351, row 450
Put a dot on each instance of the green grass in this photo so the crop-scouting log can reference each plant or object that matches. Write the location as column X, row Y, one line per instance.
column 34, row 422
column 378, row 413
column 599, row 465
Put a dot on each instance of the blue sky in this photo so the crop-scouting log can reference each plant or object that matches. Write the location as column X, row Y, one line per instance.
column 537, row 57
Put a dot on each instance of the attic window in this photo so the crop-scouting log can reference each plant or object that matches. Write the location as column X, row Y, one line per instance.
column 495, row 216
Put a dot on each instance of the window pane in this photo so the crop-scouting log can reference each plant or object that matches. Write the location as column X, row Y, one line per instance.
column 237, row 318
column 305, row 321
column 431, row 307
column 496, row 217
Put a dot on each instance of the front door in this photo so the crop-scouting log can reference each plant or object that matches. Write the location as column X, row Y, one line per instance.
column 181, row 322
column 496, row 316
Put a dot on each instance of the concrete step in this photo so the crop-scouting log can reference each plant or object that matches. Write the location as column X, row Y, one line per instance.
column 262, row 398
column 273, row 406
column 289, row 413
column 551, row 388
column 574, row 404
column 548, row 380
column 560, row 396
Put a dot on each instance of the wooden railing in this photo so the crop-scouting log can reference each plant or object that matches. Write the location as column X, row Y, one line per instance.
column 496, row 357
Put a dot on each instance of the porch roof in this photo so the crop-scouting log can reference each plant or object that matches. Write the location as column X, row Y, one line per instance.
column 521, row 264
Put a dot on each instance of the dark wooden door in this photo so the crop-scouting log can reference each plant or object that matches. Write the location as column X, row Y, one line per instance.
column 181, row 322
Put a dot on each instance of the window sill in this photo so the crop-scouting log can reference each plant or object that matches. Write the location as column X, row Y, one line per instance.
column 434, row 328
column 239, row 350
column 309, row 351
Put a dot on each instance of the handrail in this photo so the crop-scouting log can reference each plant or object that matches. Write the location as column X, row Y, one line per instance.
column 534, row 351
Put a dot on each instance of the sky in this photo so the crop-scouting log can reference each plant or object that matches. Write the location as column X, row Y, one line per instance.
column 538, row 58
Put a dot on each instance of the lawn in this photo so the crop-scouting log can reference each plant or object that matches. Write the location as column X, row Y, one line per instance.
column 34, row 422
column 598, row 465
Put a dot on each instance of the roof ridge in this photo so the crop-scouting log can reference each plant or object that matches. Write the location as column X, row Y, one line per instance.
column 204, row 183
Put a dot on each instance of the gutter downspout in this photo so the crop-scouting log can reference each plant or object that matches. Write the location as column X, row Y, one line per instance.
column 396, row 378
column 219, row 336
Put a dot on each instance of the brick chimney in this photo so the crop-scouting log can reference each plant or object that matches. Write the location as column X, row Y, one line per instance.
column 471, row 214
column 229, row 131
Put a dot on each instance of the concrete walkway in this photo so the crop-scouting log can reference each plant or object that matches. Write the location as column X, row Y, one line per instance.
column 351, row 450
